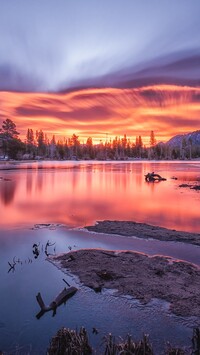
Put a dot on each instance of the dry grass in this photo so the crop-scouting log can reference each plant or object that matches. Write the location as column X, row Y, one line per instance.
column 70, row 342
column 127, row 346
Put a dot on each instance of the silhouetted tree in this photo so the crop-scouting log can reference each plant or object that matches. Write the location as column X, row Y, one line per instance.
column 9, row 129
column 152, row 139
column 138, row 147
column 60, row 149
column 15, row 148
column 89, row 148
column 30, row 144
column 12, row 146
column 75, row 145
column 41, row 143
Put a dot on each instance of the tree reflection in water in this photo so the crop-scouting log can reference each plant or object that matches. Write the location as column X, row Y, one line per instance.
column 7, row 191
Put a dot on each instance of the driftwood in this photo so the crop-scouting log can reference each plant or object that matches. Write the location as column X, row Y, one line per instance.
column 61, row 298
column 151, row 177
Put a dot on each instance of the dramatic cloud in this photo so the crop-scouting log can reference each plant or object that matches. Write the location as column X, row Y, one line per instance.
column 101, row 113
column 57, row 45
column 100, row 68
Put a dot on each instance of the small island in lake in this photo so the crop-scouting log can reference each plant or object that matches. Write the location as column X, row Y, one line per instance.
column 144, row 230
column 137, row 274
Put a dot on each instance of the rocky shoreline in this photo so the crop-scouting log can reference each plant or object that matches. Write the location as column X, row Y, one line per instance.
column 143, row 230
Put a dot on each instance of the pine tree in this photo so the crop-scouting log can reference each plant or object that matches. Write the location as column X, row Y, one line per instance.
column 30, row 137
column 140, row 143
column 152, row 139
column 9, row 129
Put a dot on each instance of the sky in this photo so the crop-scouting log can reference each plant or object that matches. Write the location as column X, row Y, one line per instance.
column 100, row 68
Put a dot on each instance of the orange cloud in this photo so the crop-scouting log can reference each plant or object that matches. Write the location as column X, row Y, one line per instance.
column 166, row 109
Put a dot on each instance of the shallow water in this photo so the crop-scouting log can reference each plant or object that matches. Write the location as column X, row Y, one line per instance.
column 77, row 194
column 104, row 311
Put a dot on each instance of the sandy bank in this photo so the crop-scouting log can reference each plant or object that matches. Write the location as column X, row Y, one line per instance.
column 137, row 275
column 143, row 230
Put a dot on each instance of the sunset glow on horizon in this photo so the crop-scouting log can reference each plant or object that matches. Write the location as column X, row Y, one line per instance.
column 104, row 113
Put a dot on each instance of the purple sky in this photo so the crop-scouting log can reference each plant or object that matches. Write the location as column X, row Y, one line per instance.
column 55, row 45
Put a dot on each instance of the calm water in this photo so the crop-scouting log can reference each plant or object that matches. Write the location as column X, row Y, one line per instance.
column 76, row 194
column 79, row 193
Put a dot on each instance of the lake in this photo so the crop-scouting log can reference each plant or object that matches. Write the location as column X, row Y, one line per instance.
column 71, row 195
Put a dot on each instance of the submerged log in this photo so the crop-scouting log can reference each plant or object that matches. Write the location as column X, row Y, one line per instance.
column 150, row 177
column 61, row 298
column 41, row 302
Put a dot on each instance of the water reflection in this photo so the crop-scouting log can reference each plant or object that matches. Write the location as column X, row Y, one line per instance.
column 7, row 191
column 29, row 183
column 79, row 193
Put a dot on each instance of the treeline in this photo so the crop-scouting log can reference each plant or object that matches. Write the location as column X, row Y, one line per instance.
column 38, row 146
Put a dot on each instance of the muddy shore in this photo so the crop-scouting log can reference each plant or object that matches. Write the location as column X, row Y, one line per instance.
column 143, row 230
column 137, row 275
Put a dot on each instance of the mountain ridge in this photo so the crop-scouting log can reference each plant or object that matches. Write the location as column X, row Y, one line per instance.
column 191, row 138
